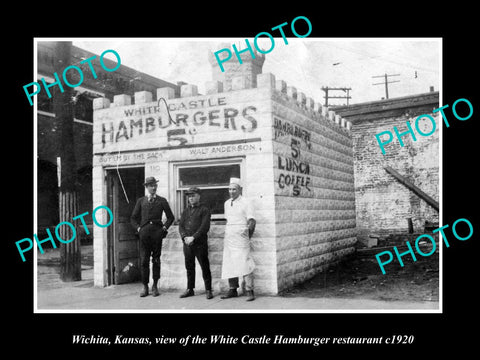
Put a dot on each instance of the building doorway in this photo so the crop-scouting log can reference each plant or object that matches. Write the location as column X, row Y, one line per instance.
column 124, row 187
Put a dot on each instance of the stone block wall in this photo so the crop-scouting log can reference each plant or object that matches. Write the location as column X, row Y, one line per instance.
column 247, row 70
column 314, row 186
column 220, row 125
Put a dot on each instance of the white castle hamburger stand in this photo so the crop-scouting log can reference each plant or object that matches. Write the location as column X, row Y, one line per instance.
column 294, row 159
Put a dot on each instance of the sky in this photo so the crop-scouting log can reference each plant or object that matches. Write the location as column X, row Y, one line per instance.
column 308, row 64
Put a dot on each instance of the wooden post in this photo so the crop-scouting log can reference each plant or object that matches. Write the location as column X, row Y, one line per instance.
column 70, row 256
column 386, row 86
column 404, row 181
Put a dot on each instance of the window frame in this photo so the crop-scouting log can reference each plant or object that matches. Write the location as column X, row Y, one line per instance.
column 177, row 192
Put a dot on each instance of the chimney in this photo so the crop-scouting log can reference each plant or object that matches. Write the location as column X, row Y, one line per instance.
column 250, row 67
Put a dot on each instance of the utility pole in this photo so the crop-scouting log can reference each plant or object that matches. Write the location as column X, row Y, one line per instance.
column 70, row 259
column 326, row 89
column 386, row 82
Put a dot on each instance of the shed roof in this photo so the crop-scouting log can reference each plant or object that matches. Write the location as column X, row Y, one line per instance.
column 411, row 105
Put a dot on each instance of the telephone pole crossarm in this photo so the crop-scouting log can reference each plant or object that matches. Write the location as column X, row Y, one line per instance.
column 386, row 82
column 344, row 89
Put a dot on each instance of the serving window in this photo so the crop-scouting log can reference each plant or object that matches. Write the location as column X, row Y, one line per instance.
column 211, row 177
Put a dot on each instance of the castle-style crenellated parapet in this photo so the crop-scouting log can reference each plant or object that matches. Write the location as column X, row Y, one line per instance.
column 237, row 83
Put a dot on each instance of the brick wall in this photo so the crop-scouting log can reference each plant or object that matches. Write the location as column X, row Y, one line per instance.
column 383, row 205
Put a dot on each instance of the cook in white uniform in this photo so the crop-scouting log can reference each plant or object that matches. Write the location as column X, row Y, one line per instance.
column 237, row 260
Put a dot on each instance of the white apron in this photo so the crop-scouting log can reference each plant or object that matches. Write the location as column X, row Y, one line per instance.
column 237, row 260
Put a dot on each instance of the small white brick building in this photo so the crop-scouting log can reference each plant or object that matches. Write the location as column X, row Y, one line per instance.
column 293, row 156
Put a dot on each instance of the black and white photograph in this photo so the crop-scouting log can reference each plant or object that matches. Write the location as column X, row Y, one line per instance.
column 217, row 181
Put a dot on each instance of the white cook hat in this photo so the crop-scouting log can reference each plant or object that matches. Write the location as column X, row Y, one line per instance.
column 235, row 181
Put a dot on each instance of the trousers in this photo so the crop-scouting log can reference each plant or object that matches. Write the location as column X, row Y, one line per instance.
column 151, row 237
column 199, row 251
column 233, row 282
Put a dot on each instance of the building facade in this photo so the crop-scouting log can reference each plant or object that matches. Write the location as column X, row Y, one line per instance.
column 295, row 160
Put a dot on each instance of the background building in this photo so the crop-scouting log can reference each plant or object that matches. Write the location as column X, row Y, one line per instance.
column 384, row 206
column 124, row 80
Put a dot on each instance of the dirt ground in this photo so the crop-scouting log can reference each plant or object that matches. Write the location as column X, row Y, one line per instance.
column 360, row 276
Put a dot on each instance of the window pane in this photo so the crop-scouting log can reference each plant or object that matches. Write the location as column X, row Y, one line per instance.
column 208, row 175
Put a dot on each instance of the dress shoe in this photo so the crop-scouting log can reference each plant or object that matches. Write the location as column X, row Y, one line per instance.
column 250, row 296
column 231, row 293
column 209, row 294
column 155, row 291
column 187, row 293
column 144, row 291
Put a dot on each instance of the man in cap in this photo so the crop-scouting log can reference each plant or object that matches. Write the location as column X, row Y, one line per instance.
column 147, row 220
column 193, row 227
column 237, row 260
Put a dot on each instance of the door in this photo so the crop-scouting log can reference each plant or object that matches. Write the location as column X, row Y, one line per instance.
column 125, row 187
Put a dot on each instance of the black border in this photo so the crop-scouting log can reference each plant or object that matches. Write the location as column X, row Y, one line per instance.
column 433, row 332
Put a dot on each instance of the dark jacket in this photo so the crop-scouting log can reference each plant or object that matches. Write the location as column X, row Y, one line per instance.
column 195, row 221
column 145, row 212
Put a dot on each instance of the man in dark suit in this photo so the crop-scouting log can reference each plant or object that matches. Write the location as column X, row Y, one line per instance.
column 147, row 220
column 193, row 227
